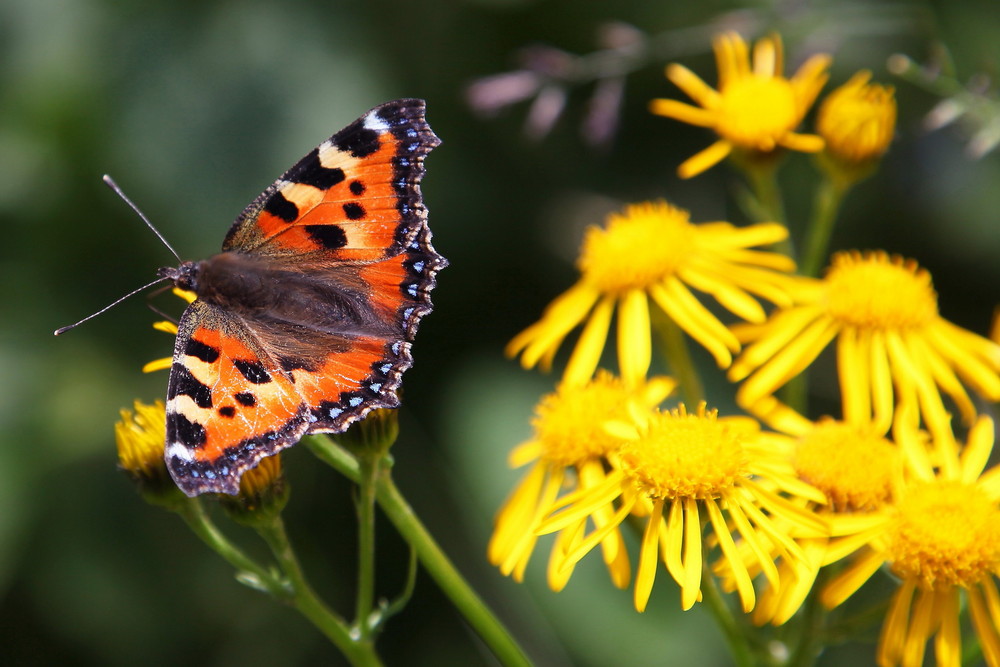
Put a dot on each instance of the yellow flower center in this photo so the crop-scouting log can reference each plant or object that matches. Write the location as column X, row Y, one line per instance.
column 946, row 534
column 636, row 248
column 140, row 436
column 755, row 112
column 570, row 422
column 852, row 466
column 879, row 292
column 681, row 455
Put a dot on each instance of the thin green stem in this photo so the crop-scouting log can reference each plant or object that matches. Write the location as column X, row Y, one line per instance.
column 360, row 653
column 431, row 556
column 678, row 355
column 829, row 196
column 368, row 471
column 739, row 645
column 764, row 181
column 193, row 513
column 812, row 624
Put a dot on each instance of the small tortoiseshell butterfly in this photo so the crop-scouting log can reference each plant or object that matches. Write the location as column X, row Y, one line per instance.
column 303, row 322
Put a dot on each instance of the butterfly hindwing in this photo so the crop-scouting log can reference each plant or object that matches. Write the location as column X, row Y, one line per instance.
column 304, row 321
column 229, row 404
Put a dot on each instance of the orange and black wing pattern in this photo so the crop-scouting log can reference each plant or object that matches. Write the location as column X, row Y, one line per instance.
column 325, row 278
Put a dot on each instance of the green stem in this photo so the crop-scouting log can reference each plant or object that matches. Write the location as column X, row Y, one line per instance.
column 678, row 354
column 360, row 653
column 764, row 181
column 829, row 196
column 735, row 637
column 193, row 513
column 431, row 556
column 368, row 470
column 811, row 626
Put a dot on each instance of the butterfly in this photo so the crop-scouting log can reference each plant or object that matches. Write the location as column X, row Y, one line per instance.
column 304, row 322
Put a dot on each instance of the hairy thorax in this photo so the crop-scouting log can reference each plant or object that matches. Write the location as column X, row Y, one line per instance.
column 264, row 290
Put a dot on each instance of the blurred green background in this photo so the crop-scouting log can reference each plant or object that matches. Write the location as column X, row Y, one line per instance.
column 195, row 107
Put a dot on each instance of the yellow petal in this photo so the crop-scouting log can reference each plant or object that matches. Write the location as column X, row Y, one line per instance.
column 705, row 159
column 693, row 86
column 634, row 346
column 648, row 561
column 587, row 353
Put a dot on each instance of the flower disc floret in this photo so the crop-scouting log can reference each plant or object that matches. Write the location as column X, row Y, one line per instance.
column 684, row 455
column 946, row 534
column 878, row 292
column 655, row 237
column 854, row 467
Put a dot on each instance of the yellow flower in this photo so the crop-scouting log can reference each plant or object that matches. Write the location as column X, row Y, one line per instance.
column 857, row 120
column 855, row 467
column 892, row 345
column 755, row 110
column 941, row 539
column 569, row 447
column 682, row 472
column 262, row 496
column 140, row 436
column 653, row 251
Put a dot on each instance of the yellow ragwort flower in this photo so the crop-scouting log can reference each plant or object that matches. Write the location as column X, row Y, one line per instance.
column 262, row 496
column 569, row 449
column 855, row 467
column 892, row 345
column 857, row 120
column 941, row 540
column 653, row 251
column 755, row 110
column 682, row 472
column 140, row 436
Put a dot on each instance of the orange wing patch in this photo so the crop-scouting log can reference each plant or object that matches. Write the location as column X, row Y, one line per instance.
column 226, row 409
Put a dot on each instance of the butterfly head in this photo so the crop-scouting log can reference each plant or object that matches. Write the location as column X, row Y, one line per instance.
column 185, row 276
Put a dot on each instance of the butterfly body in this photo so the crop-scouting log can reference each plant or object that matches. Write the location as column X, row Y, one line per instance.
column 303, row 322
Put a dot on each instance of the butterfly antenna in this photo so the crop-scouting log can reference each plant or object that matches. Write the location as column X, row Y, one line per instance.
column 114, row 186
column 63, row 330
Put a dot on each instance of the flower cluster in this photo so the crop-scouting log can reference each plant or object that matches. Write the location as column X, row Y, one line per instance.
column 772, row 495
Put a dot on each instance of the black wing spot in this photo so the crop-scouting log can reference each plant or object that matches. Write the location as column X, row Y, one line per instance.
column 354, row 211
column 331, row 237
column 207, row 353
column 310, row 171
column 245, row 398
column 281, row 208
column 227, row 411
column 289, row 364
column 253, row 371
column 357, row 139
column 357, row 188
column 183, row 430
column 182, row 383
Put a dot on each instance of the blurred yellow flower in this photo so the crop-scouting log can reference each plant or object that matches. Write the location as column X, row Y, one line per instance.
column 141, row 435
column 857, row 120
column 855, row 467
column 941, row 539
column 653, row 251
column 755, row 109
column 569, row 448
column 262, row 496
column 681, row 472
column 892, row 345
